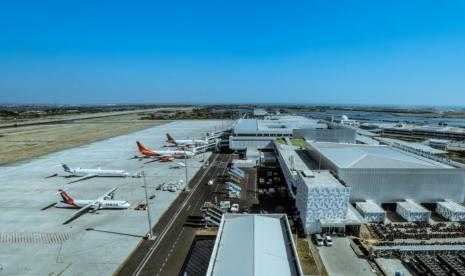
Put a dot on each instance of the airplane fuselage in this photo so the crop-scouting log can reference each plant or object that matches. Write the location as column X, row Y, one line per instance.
column 193, row 143
column 98, row 172
column 175, row 153
column 102, row 204
column 164, row 154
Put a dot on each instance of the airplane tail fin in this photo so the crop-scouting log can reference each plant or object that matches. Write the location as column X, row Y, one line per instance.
column 140, row 146
column 66, row 198
column 66, row 168
column 170, row 138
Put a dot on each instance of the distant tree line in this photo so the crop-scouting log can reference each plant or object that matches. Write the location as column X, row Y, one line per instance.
column 197, row 113
column 37, row 111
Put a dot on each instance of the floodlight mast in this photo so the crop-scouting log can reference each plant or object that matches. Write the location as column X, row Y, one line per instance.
column 150, row 234
column 185, row 170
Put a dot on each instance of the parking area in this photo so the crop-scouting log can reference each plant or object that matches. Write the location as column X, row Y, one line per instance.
column 340, row 259
column 247, row 197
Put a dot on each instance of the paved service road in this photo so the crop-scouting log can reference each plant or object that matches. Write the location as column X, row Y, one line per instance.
column 166, row 254
column 340, row 259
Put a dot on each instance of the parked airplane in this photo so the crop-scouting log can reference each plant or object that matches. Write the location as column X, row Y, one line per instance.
column 84, row 174
column 164, row 155
column 190, row 143
column 105, row 201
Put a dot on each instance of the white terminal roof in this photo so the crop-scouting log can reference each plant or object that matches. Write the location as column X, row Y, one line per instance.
column 413, row 127
column 322, row 178
column 366, row 140
column 412, row 206
column 365, row 132
column 312, row 178
column 440, row 128
column 369, row 207
column 275, row 124
column 452, row 206
column 250, row 244
column 439, row 141
column 293, row 160
column 414, row 146
column 372, row 157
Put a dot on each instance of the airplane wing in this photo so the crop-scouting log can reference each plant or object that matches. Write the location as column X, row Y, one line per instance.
column 109, row 193
column 161, row 158
column 83, row 178
column 78, row 213
column 151, row 161
column 86, row 208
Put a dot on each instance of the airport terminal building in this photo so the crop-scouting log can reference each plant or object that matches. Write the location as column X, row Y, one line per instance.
column 387, row 175
column 333, row 174
column 320, row 197
column 327, row 180
column 337, row 182
column 261, row 133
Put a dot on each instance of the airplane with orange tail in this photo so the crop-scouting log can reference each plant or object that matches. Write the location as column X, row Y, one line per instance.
column 189, row 143
column 164, row 155
column 104, row 201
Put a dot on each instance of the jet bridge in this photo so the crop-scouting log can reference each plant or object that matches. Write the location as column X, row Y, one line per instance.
column 236, row 174
column 204, row 148
column 234, row 187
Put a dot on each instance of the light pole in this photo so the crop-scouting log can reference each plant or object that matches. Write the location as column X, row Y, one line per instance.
column 150, row 235
column 185, row 170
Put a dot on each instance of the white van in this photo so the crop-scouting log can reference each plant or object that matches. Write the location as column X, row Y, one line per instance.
column 328, row 240
column 319, row 240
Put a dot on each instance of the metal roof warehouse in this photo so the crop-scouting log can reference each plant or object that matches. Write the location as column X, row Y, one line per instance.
column 243, row 247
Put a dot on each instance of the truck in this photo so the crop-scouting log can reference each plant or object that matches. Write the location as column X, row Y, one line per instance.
column 225, row 204
column 233, row 194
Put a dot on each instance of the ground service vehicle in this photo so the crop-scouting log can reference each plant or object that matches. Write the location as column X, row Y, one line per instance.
column 319, row 240
column 234, row 208
column 328, row 240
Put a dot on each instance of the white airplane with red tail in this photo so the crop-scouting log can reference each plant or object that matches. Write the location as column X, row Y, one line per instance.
column 189, row 143
column 164, row 155
column 104, row 201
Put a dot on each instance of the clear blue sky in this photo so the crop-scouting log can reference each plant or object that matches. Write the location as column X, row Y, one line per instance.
column 361, row 52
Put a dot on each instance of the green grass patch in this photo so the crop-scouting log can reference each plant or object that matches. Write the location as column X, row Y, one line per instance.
column 281, row 141
column 298, row 142
column 307, row 261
